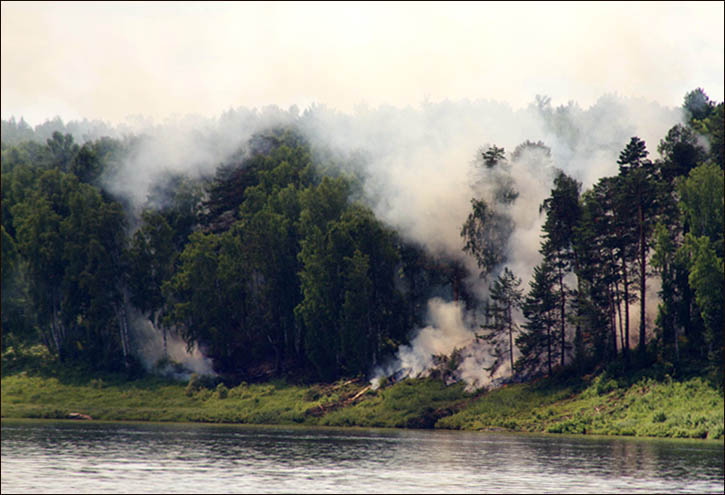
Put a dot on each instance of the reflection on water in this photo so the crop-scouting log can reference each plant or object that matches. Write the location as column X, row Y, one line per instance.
column 62, row 456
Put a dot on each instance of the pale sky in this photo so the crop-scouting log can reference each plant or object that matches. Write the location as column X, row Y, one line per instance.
column 112, row 60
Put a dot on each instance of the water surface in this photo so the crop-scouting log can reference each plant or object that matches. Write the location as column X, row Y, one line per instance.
column 85, row 457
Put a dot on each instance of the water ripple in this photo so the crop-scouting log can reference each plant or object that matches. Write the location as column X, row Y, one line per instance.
column 57, row 457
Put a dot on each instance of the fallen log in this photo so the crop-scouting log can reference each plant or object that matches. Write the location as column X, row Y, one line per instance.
column 322, row 409
column 354, row 380
column 360, row 393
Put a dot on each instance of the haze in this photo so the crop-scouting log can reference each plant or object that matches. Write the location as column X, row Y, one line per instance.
column 113, row 60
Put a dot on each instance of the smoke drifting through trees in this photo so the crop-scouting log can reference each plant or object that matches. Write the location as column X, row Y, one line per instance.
column 420, row 169
column 150, row 347
column 419, row 166
column 424, row 167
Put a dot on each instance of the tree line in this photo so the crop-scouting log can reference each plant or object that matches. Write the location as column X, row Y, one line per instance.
column 270, row 266
column 658, row 218
column 273, row 265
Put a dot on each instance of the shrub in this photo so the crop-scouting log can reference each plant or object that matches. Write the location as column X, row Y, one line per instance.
column 604, row 384
column 221, row 391
column 193, row 385
column 716, row 432
column 312, row 394
column 203, row 394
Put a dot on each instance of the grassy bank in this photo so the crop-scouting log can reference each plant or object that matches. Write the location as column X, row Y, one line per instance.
column 690, row 409
column 155, row 399
column 682, row 409
column 413, row 403
column 602, row 405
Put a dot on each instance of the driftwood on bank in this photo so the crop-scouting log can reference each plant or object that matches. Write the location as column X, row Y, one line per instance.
column 77, row 415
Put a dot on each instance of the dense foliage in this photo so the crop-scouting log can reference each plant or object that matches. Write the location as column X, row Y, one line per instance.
column 269, row 266
column 272, row 266
column 660, row 218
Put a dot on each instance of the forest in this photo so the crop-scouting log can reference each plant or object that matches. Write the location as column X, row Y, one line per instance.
column 273, row 263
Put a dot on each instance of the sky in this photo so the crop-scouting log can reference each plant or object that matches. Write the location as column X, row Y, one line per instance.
column 114, row 60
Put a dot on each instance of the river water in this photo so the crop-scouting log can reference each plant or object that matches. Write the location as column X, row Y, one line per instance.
column 97, row 457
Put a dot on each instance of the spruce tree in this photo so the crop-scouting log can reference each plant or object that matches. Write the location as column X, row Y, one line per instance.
column 537, row 342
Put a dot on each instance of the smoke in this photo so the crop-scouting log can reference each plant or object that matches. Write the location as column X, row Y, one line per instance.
column 420, row 170
column 177, row 363
column 450, row 329
column 419, row 164
column 192, row 146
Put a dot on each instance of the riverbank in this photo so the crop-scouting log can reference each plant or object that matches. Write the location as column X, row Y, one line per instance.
column 599, row 405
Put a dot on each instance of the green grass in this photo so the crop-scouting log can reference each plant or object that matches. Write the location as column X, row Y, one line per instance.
column 156, row 399
column 518, row 407
column 684, row 409
column 607, row 404
column 410, row 403
column 53, row 391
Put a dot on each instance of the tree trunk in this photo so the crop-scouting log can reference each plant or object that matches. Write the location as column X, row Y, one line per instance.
column 563, row 315
column 577, row 301
column 643, row 281
column 677, row 344
column 46, row 340
column 625, row 282
column 277, row 356
column 376, row 339
column 56, row 329
column 617, row 302
column 123, row 329
column 612, row 320
column 548, row 346
column 618, row 307
column 55, row 332
column 511, row 339
column 155, row 322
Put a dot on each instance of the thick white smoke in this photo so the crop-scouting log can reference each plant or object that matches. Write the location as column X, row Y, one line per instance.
column 421, row 176
column 449, row 329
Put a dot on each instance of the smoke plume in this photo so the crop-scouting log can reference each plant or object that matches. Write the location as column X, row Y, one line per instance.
column 177, row 362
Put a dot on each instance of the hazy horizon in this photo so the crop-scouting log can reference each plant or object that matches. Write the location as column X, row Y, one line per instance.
column 111, row 61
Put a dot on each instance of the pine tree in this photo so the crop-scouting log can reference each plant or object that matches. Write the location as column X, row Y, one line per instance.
column 639, row 192
column 562, row 214
column 602, row 288
column 505, row 299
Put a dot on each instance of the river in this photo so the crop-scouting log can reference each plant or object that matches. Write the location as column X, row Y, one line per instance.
column 100, row 457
